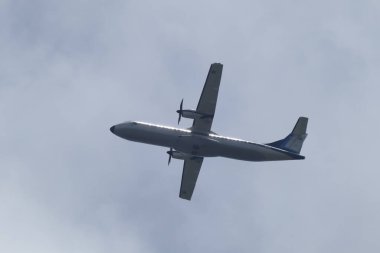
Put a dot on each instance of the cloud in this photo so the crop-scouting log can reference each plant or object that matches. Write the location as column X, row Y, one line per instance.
column 70, row 70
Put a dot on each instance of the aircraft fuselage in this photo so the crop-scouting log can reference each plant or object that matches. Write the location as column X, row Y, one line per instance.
column 200, row 145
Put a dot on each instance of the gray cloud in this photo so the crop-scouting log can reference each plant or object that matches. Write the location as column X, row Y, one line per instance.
column 69, row 70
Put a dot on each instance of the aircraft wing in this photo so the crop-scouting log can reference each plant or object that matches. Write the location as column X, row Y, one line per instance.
column 191, row 168
column 207, row 101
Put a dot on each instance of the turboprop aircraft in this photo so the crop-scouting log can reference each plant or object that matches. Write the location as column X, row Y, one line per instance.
column 193, row 144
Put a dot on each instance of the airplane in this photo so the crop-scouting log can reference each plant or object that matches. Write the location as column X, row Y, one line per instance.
column 193, row 144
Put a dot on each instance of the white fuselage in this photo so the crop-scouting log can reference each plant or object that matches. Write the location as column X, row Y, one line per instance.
column 200, row 145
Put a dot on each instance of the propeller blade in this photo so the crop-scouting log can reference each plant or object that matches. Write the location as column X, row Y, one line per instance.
column 180, row 111
column 179, row 117
column 170, row 152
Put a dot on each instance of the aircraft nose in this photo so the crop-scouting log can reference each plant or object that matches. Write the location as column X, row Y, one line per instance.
column 112, row 129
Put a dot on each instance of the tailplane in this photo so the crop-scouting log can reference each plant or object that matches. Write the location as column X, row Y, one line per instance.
column 293, row 142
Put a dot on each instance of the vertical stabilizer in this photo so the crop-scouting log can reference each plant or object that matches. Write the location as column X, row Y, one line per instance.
column 293, row 142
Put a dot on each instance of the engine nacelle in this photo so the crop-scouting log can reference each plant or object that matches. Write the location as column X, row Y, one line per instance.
column 193, row 114
column 178, row 155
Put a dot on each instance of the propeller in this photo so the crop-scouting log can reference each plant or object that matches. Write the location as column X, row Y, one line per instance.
column 180, row 111
column 170, row 153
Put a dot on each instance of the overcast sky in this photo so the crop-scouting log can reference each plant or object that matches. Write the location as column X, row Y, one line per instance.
column 71, row 69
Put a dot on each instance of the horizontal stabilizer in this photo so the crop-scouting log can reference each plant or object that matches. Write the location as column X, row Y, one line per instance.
column 293, row 142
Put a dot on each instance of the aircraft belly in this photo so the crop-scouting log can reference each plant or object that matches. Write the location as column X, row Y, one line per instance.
column 196, row 145
column 160, row 137
column 203, row 146
column 251, row 152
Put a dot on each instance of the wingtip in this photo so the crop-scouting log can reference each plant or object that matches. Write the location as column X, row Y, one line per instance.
column 185, row 197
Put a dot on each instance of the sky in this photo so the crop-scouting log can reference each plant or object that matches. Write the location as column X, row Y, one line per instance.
column 71, row 69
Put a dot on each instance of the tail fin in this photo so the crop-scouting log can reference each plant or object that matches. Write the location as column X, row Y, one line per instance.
column 293, row 142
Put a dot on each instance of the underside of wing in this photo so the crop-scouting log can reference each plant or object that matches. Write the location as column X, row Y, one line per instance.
column 191, row 168
column 208, row 99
